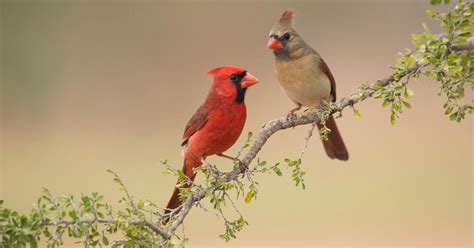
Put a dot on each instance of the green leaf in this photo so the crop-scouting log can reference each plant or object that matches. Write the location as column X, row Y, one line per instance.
column 406, row 104
column 429, row 13
column 393, row 119
column 410, row 61
column 277, row 171
column 73, row 214
column 453, row 116
column 105, row 240
column 409, row 92
column 396, row 106
column 174, row 240
column 356, row 113
column 140, row 204
column 448, row 110
column 180, row 173
column 249, row 196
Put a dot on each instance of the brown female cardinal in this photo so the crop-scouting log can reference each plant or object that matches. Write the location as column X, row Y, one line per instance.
column 305, row 77
column 217, row 123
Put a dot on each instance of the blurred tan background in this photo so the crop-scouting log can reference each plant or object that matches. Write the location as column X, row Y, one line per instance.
column 89, row 86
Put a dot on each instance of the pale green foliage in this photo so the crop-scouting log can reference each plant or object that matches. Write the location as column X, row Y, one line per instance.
column 18, row 230
column 324, row 112
column 83, row 219
column 324, row 132
column 433, row 57
column 87, row 218
column 452, row 69
column 248, row 141
column 232, row 227
column 356, row 113
column 394, row 95
column 297, row 174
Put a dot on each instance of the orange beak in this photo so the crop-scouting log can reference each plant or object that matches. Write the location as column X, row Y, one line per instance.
column 248, row 80
column 274, row 44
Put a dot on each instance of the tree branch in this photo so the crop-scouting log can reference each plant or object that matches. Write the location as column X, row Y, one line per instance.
column 268, row 129
column 91, row 211
column 282, row 123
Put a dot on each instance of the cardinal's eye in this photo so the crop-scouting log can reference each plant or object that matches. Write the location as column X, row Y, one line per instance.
column 286, row 36
column 233, row 77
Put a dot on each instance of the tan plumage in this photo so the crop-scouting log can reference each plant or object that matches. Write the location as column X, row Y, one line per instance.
column 305, row 77
column 299, row 80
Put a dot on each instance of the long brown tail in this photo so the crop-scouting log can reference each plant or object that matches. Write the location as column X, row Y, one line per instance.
column 334, row 146
column 174, row 201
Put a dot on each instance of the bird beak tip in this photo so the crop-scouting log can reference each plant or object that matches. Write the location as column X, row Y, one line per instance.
column 249, row 80
column 274, row 44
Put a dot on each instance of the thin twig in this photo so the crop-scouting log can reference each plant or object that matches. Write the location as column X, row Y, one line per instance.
column 308, row 137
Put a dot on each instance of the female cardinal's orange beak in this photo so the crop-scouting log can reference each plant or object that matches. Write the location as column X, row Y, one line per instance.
column 248, row 80
column 274, row 44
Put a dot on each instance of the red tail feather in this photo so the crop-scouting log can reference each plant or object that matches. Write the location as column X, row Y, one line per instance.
column 174, row 201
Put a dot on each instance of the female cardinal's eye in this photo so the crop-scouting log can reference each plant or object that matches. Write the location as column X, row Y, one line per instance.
column 286, row 36
column 233, row 77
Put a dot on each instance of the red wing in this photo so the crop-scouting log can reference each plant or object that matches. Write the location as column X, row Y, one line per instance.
column 197, row 122
column 325, row 69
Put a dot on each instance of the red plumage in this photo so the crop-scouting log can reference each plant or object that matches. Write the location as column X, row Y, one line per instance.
column 218, row 122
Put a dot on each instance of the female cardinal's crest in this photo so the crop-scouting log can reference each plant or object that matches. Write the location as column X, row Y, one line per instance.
column 287, row 17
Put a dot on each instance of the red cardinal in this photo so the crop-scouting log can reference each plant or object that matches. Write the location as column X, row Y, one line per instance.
column 217, row 123
column 305, row 77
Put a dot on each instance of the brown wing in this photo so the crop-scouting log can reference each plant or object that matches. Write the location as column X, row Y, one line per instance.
column 325, row 69
column 197, row 122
